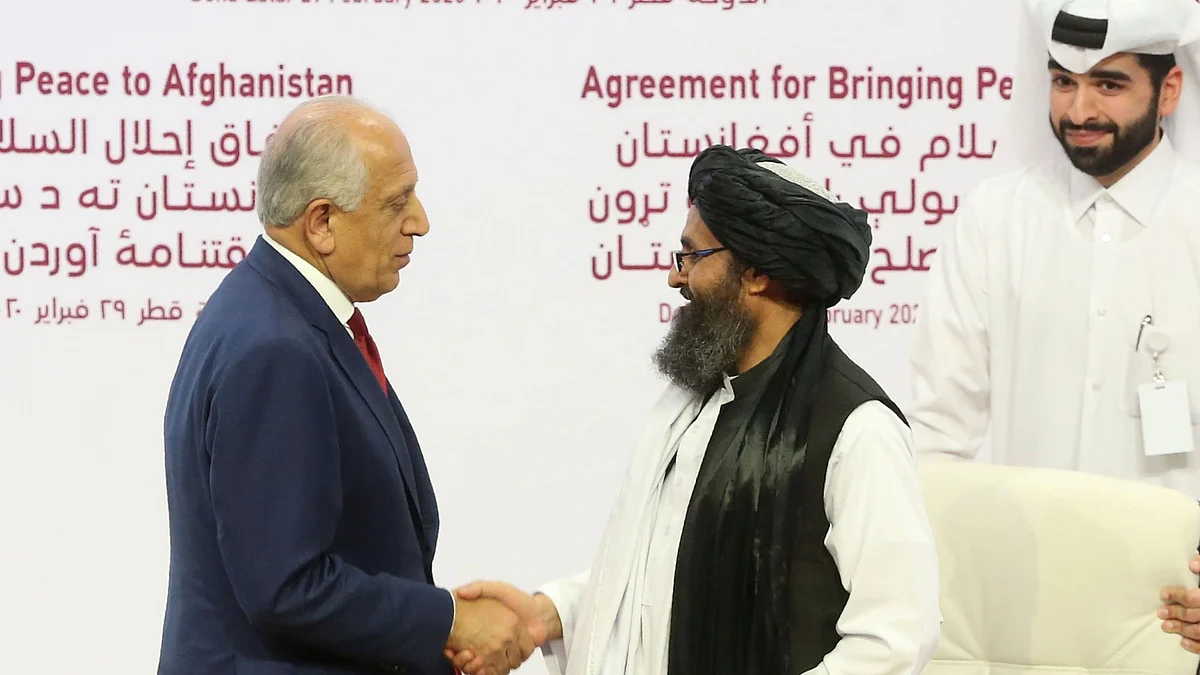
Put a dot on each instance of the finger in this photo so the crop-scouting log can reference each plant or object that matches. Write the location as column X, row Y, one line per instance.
column 1194, row 566
column 1190, row 631
column 464, row 658
column 1180, row 596
column 525, row 642
column 476, row 666
column 509, row 595
column 497, row 663
column 498, row 590
column 513, row 652
column 1179, row 613
column 512, row 597
column 1192, row 646
column 471, row 591
column 489, row 662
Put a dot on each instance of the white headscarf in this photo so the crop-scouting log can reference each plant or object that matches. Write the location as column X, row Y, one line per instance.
column 1140, row 26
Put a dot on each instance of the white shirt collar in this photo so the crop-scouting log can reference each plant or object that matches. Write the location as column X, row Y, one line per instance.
column 341, row 306
column 1139, row 192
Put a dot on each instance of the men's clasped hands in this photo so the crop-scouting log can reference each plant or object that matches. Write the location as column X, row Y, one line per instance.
column 497, row 627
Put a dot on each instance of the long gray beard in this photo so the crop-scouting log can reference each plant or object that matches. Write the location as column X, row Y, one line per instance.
column 706, row 339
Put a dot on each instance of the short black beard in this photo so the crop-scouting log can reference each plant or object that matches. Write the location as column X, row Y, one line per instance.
column 707, row 339
column 1126, row 143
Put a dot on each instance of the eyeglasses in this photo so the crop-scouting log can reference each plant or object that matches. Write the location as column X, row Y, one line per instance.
column 680, row 255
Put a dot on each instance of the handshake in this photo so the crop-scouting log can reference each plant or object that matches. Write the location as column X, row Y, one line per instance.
column 497, row 627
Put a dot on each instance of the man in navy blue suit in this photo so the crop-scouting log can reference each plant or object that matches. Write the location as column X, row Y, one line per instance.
column 303, row 522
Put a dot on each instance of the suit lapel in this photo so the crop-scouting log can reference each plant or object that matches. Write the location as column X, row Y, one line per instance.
column 355, row 365
column 274, row 267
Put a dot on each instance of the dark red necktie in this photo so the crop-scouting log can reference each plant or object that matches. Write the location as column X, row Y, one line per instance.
column 358, row 326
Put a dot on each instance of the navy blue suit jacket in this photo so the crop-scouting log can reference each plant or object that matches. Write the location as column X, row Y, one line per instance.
column 302, row 519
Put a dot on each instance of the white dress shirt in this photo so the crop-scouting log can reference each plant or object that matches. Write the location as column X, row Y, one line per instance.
column 333, row 296
column 338, row 302
column 879, row 538
column 1035, row 302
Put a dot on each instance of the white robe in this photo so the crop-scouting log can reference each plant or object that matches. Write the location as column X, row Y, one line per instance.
column 614, row 620
column 1035, row 301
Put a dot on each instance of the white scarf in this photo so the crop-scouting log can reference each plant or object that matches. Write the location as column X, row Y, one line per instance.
column 614, row 582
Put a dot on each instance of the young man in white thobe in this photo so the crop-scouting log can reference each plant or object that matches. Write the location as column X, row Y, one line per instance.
column 771, row 520
column 1063, row 309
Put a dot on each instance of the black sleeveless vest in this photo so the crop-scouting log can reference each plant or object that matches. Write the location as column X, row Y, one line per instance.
column 815, row 586
column 812, row 587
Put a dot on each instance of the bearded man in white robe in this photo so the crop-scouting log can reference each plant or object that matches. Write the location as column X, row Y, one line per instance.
column 1063, row 312
column 771, row 520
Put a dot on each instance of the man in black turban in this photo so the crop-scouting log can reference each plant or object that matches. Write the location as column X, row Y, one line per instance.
column 771, row 521
column 804, row 251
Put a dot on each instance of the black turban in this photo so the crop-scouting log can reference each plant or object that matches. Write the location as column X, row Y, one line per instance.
column 807, row 243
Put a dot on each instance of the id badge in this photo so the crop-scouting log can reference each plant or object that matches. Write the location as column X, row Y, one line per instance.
column 1166, row 412
column 1166, row 418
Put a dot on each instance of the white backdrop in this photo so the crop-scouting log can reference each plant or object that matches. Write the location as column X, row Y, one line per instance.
column 519, row 338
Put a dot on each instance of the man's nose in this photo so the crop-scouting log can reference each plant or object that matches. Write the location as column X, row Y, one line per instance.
column 418, row 225
column 675, row 278
column 1083, row 107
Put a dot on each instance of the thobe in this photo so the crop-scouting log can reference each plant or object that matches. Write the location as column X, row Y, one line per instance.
column 1034, row 305
column 616, row 616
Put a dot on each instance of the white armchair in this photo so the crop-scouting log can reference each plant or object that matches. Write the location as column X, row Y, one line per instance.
column 1056, row 572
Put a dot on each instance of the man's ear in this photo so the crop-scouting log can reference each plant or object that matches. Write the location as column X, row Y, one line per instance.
column 755, row 282
column 317, row 228
column 1168, row 95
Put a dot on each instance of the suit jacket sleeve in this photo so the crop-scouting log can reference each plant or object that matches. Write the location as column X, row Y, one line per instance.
column 276, row 489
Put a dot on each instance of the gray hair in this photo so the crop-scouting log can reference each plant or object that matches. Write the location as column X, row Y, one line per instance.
column 311, row 156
